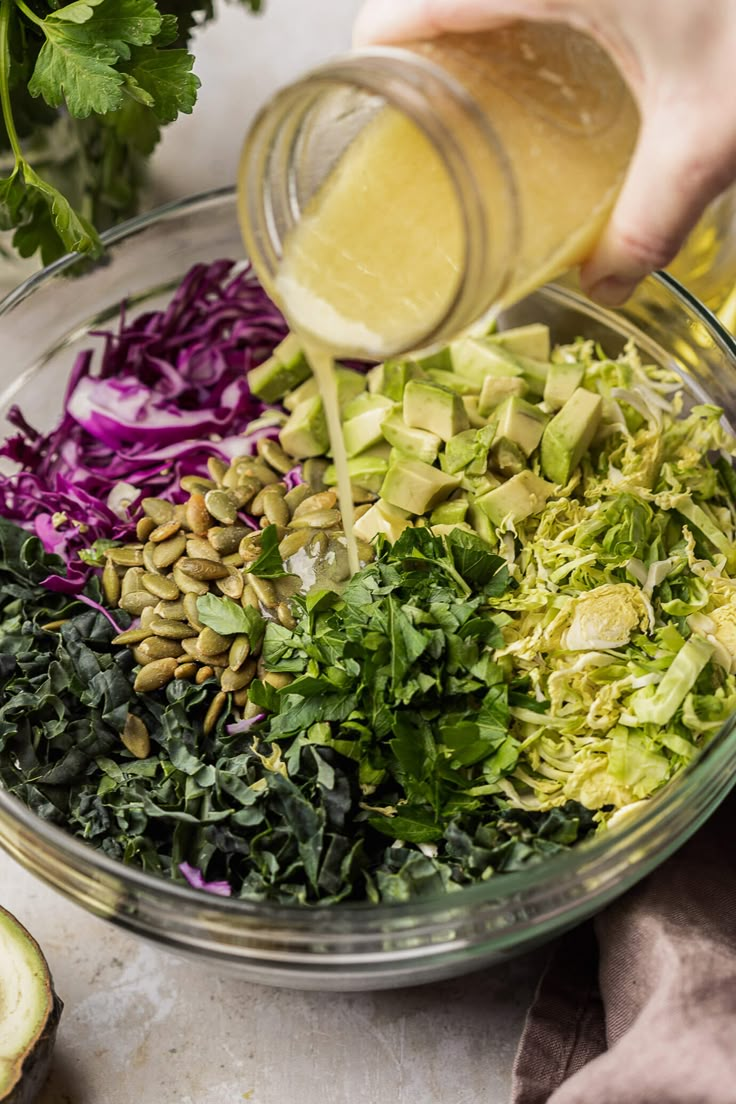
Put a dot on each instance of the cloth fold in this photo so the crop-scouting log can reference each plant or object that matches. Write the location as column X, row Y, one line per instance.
column 639, row 1005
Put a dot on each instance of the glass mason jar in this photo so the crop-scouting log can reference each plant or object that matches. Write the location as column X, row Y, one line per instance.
column 393, row 197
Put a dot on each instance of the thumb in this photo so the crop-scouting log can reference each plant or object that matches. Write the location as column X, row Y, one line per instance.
column 676, row 171
column 413, row 20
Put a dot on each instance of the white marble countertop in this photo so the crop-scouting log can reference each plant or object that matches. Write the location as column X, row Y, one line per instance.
column 142, row 1027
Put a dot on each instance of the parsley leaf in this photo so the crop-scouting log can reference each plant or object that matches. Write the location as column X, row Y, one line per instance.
column 269, row 564
column 227, row 617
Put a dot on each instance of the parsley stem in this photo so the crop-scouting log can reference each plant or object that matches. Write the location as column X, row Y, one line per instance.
column 6, row 7
column 28, row 13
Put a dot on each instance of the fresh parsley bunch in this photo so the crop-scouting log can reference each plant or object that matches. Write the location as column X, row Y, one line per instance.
column 99, row 78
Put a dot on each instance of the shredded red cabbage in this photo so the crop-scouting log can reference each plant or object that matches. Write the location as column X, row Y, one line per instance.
column 170, row 390
column 195, row 878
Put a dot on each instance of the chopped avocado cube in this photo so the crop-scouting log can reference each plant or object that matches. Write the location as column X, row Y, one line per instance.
column 496, row 389
column 374, row 379
column 518, row 498
column 444, row 529
column 460, row 451
column 569, row 435
column 470, row 402
column 440, row 360
column 417, row 487
column 506, row 457
column 529, row 341
column 433, row 408
column 380, row 520
column 396, row 375
column 366, row 471
column 478, row 357
column 364, row 402
column 271, row 380
column 350, row 384
column 520, row 422
column 480, row 485
column 305, row 432
column 562, row 381
column 481, row 523
column 364, row 430
column 453, row 512
column 453, row 381
column 535, row 373
column 417, row 443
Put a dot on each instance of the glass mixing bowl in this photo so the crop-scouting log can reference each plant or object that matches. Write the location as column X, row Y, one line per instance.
column 43, row 324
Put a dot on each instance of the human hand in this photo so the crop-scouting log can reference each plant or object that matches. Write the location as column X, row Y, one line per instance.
column 679, row 61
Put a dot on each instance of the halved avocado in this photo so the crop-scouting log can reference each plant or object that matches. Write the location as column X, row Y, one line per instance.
column 29, row 1014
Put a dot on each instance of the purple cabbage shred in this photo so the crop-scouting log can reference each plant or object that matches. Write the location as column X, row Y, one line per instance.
column 195, row 878
column 168, row 391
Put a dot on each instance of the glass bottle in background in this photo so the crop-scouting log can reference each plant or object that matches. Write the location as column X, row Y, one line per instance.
column 707, row 262
column 393, row 197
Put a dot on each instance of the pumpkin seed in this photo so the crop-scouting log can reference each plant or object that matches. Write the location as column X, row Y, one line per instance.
column 173, row 611
column 235, row 680
column 251, row 710
column 296, row 495
column 318, row 545
column 276, row 510
column 132, row 580
column 157, row 647
column 148, row 549
column 240, row 697
column 212, row 715
column 163, row 532
column 245, row 486
column 130, row 555
column 292, row 542
column 255, row 469
column 277, row 679
column 186, row 584
column 191, row 648
column 186, row 671
column 284, row 615
column 360, row 510
column 217, row 469
column 54, row 626
column 172, row 630
column 168, row 552
column 249, row 598
column 159, row 509
column 144, row 528
column 147, row 616
column 198, row 516
column 196, row 484
column 200, row 569
column 250, row 547
column 232, row 586
column 313, row 471
column 323, row 500
column 361, row 495
column 136, row 601
column 154, row 675
column 135, row 737
column 131, row 636
column 190, row 607
column 200, row 549
column 273, row 455
column 111, row 586
column 163, row 586
column 236, row 560
column 264, row 591
column 203, row 674
column 287, row 586
column 366, row 552
column 317, row 519
column 239, row 651
column 210, row 642
column 222, row 506
column 226, row 538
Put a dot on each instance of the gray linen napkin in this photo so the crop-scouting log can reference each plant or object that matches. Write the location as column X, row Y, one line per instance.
column 649, row 1015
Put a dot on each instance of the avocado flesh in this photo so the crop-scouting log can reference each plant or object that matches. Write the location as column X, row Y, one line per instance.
column 365, row 471
column 305, row 432
column 417, row 443
column 363, row 430
column 416, row 487
column 569, row 435
column 282, row 372
column 516, row 499
column 380, row 518
column 29, row 1014
column 498, row 388
column 434, row 408
column 563, row 381
column 350, row 385
column 475, row 358
column 520, row 422
column 529, row 341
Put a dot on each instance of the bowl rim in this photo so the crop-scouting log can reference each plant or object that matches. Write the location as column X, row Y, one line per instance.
column 592, row 857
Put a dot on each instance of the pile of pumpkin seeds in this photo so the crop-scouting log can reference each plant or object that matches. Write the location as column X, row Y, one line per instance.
column 203, row 545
